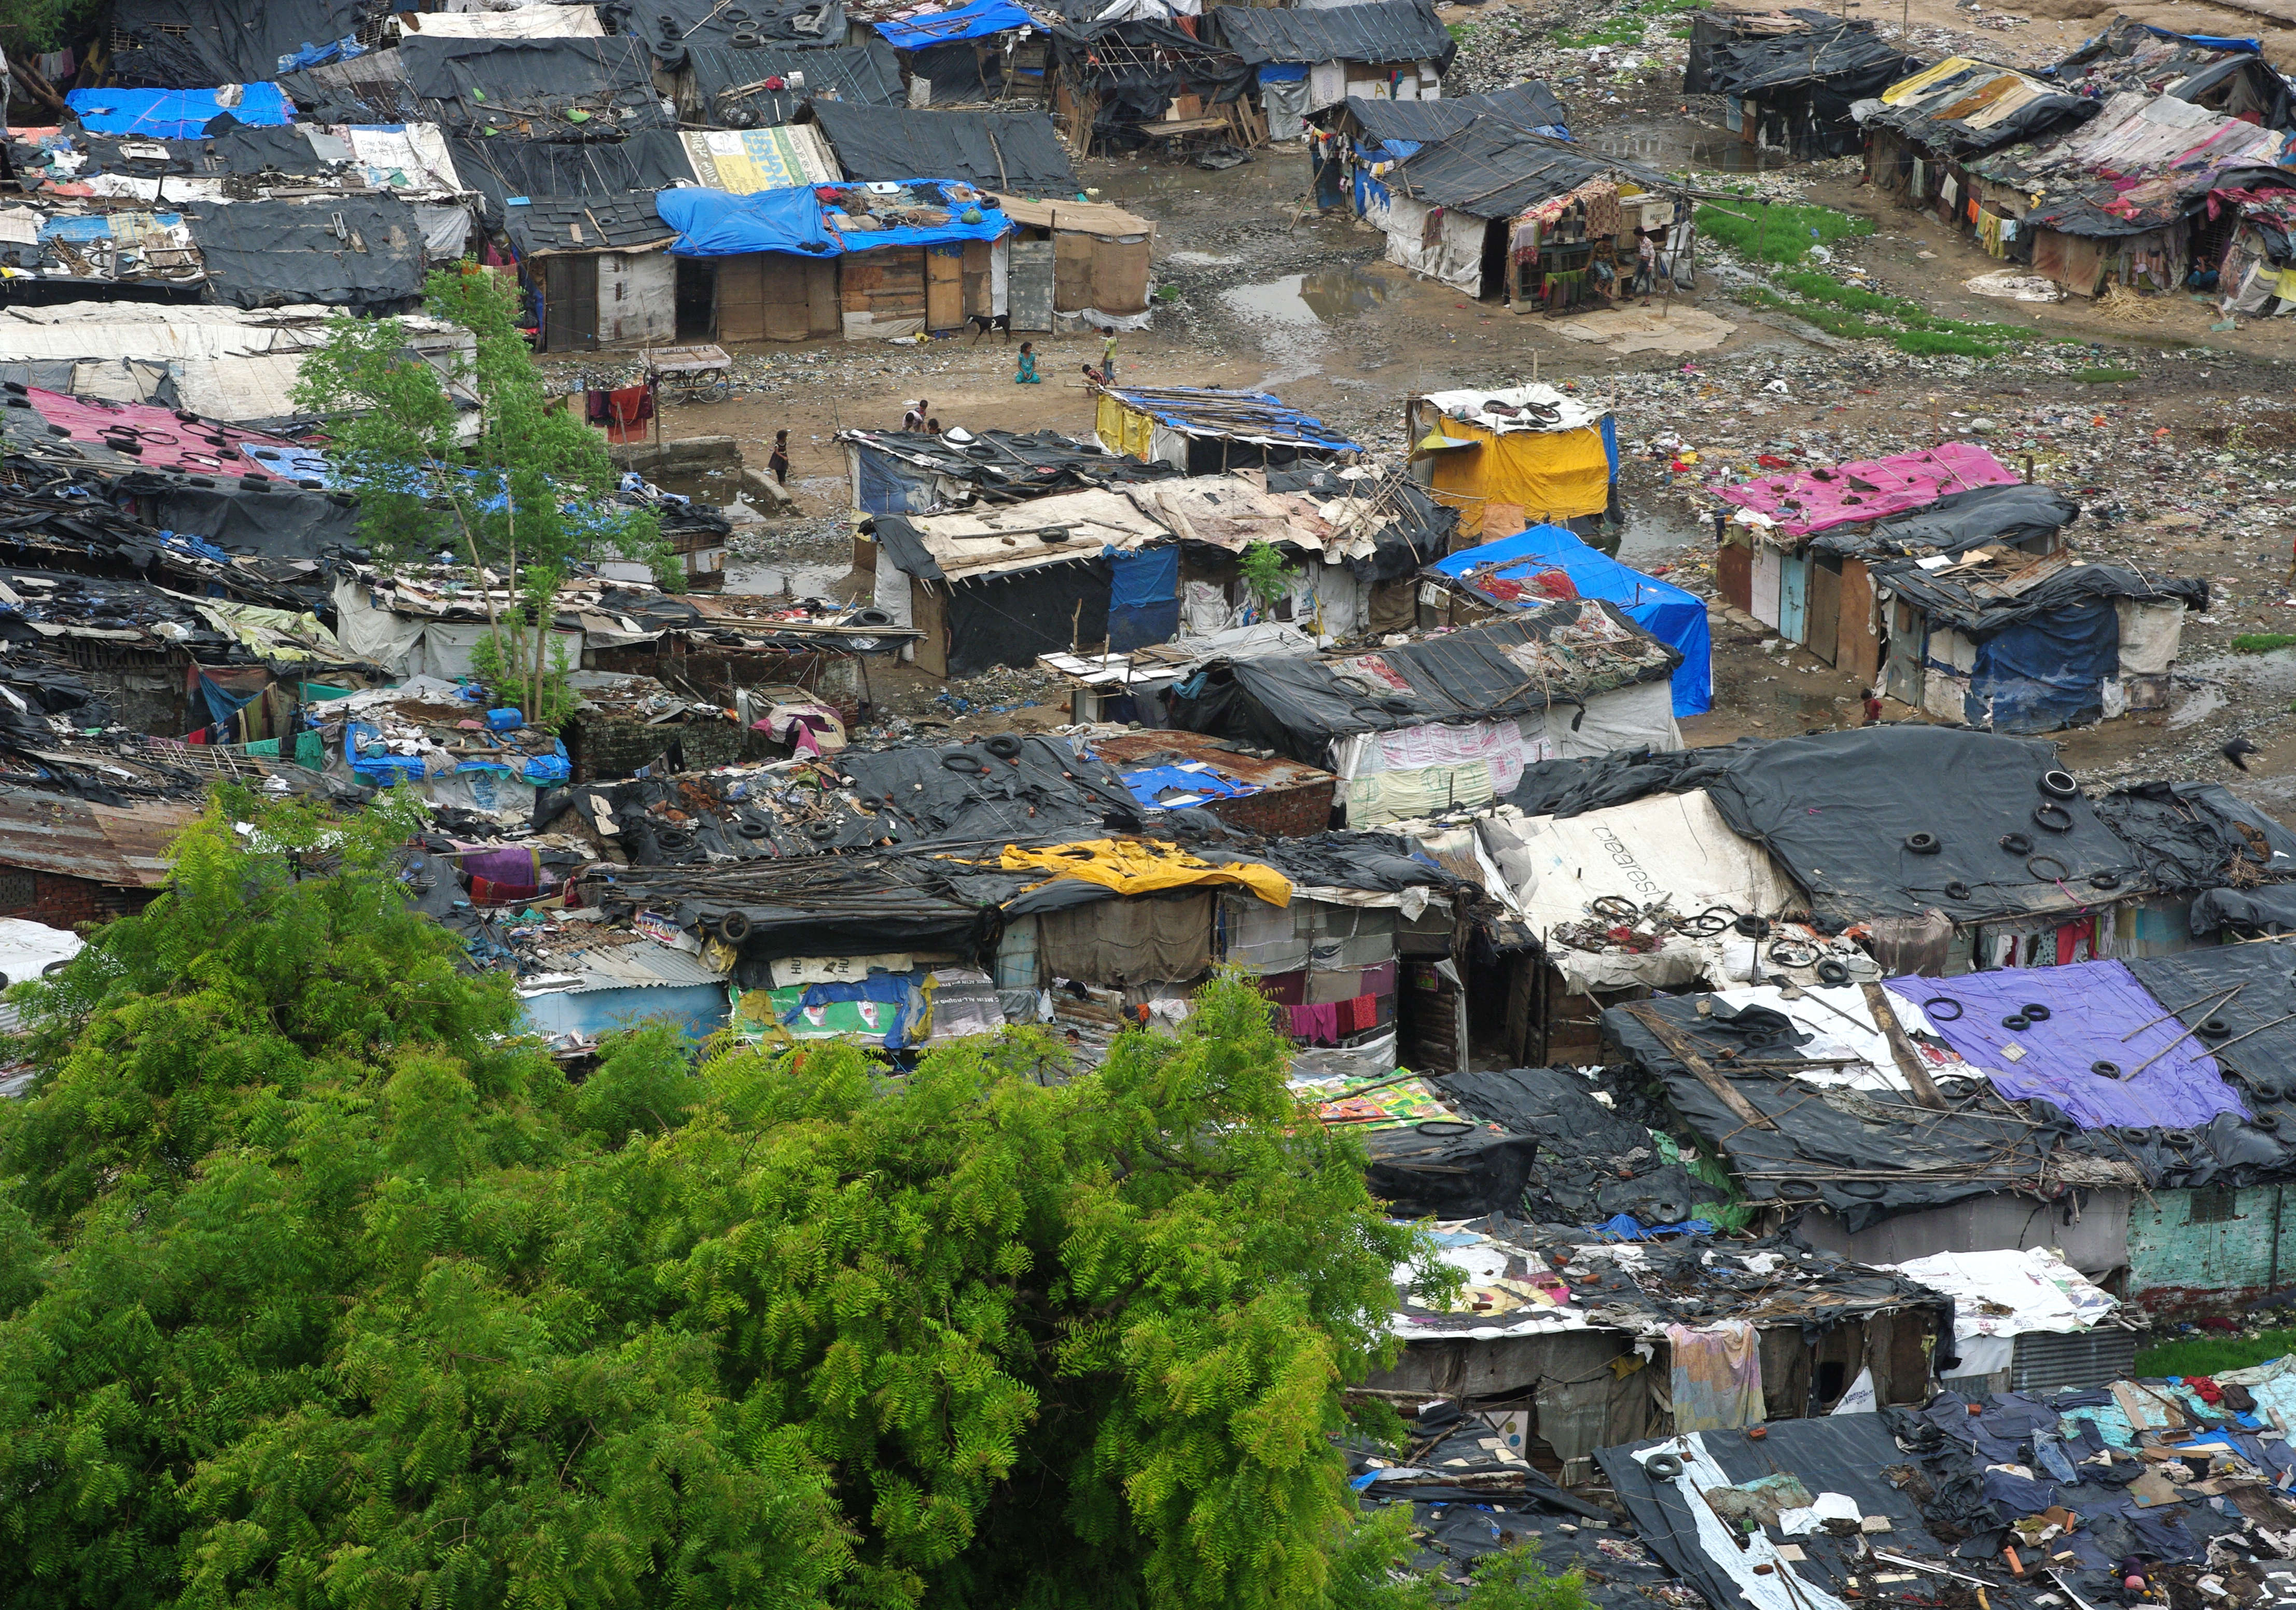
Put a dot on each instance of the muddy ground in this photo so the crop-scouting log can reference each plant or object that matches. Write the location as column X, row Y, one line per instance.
column 2188, row 466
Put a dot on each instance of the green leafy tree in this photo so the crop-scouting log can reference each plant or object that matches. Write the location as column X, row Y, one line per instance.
column 319, row 1285
column 526, row 498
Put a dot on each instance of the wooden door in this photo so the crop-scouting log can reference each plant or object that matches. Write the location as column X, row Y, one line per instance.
column 944, row 287
column 1763, row 603
column 980, row 292
column 1028, row 292
column 821, row 317
column 788, row 306
column 1793, row 597
column 569, row 304
column 1824, row 612
column 742, row 298
column 1908, row 642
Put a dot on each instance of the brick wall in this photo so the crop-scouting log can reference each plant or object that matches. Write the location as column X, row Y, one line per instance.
column 65, row 902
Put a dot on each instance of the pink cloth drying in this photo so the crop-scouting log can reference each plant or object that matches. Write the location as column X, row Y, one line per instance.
column 1812, row 500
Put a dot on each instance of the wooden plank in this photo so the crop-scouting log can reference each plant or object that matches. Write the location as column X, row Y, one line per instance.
column 944, row 289
column 742, row 298
column 1678, row 1043
column 1901, row 1047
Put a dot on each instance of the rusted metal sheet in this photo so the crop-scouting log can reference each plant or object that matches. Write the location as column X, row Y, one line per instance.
column 1295, row 800
column 124, row 847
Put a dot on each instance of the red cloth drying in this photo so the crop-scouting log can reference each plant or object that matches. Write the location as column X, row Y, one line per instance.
column 626, row 412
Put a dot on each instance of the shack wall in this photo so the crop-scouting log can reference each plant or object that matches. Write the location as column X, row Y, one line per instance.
column 637, row 298
column 2199, row 1251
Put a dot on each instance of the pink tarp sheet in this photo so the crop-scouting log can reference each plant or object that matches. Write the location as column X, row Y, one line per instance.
column 1814, row 500
column 166, row 440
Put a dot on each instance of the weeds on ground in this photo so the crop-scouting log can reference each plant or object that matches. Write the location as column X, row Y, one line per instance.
column 1628, row 28
column 2101, row 377
column 1782, row 232
column 2262, row 643
column 2205, row 1356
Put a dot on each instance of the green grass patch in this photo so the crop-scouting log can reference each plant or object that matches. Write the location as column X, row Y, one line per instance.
column 2103, row 377
column 1824, row 287
column 1849, row 326
column 2210, row 1355
column 1982, row 332
column 1760, row 296
column 1782, row 234
column 2262, row 643
column 1937, row 343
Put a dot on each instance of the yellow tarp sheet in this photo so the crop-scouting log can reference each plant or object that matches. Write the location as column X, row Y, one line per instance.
column 1553, row 474
column 1123, row 429
column 1913, row 88
column 1136, row 867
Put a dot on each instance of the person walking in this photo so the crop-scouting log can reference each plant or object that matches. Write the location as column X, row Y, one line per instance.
column 1027, row 374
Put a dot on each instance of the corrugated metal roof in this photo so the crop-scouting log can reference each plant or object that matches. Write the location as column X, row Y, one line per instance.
column 641, row 965
column 124, row 847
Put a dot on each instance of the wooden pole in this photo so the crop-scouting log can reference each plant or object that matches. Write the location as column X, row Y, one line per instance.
column 1901, row 1047
column 1678, row 1043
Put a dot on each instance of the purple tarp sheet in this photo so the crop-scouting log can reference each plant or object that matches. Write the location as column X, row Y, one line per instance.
column 1811, row 500
column 2091, row 1006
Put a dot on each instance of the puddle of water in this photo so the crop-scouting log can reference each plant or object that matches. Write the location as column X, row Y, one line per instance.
column 1326, row 296
column 1678, row 143
column 768, row 578
column 1656, row 537
column 719, row 487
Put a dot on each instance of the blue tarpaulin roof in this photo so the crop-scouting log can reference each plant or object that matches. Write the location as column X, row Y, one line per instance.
column 1664, row 610
column 972, row 21
column 174, row 114
column 711, row 223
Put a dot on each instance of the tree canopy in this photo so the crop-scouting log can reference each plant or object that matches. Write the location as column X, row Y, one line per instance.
column 320, row 1285
column 518, row 484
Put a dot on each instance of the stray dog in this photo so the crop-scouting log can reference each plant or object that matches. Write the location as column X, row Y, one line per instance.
column 981, row 324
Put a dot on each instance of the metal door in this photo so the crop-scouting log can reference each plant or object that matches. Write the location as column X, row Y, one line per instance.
column 1793, row 597
column 1029, row 295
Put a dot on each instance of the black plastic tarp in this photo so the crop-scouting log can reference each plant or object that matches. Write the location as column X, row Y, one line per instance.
column 271, row 254
column 1012, row 619
column 1918, row 122
column 1864, row 1154
column 730, row 83
column 1448, row 1175
column 1135, row 69
column 200, row 43
column 1977, row 615
column 532, row 89
column 1839, row 811
column 1297, row 705
column 2192, row 835
column 1390, row 32
column 901, row 471
column 1004, row 151
column 1593, row 1164
column 1849, row 59
column 1381, row 862
column 1570, row 787
column 288, row 524
column 673, row 28
column 1489, row 170
column 546, row 224
column 2197, row 985
column 498, row 168
column 2013, row 515
column 1531, row 105
column 1853, row 1455
column 2271, row 908
column 371, row 88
